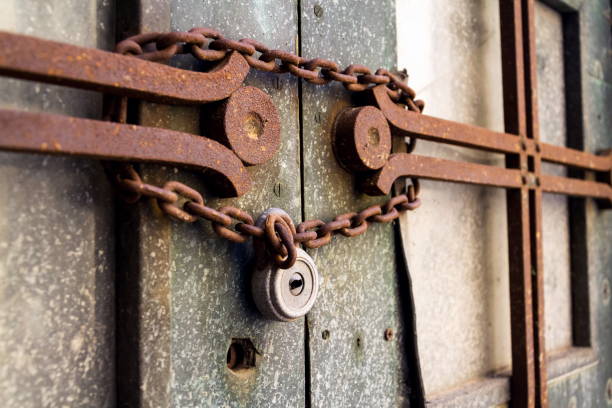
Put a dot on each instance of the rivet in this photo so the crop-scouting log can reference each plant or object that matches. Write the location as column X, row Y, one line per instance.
column 318, row 10
column 278, row 84
column 389, row 334
column 605, row 291
column 537, row 147
column 524, row 179
column 325, row 334
column 537, row 181
column 318, row 117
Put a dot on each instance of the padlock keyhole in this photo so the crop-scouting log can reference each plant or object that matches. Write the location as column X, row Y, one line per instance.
column 296, row 284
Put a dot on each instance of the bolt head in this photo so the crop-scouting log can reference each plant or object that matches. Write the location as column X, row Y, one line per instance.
column 605, row 292
column 389, row 334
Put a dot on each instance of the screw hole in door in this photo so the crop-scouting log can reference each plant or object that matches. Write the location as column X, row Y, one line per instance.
column 241, row 356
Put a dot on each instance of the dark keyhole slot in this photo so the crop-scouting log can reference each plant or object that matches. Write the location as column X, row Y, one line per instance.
column 241, row 356
column 296, row 284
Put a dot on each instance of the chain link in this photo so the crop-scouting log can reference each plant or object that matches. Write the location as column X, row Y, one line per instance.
column 210, row 45
column 281, row 236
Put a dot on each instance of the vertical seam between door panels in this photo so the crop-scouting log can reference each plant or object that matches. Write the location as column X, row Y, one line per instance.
column 307, row 385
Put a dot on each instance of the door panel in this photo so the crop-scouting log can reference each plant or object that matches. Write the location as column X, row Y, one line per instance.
column 182, row 292
column 351, row 364
column 56, row 236
column 193, row 285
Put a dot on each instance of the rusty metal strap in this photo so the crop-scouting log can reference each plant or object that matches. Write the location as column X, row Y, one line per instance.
column 574, row 158
column 440, row 130
column 55, row 134
column 461, row 134
column 58, row 63
column 576, row 187
column 412, row 165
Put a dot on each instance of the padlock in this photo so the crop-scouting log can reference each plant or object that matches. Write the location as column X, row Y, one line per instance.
column 285, row 294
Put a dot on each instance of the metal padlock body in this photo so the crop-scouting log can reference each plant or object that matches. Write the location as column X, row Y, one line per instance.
column 285, row 294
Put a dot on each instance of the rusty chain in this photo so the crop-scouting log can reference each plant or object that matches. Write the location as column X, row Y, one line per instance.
column 210, row 45
column 279, row 233
column 279, row 236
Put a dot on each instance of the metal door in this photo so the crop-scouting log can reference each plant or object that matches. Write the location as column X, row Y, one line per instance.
column 105, row 303
column 192, row 287
column 57, row 240
column 153, row 320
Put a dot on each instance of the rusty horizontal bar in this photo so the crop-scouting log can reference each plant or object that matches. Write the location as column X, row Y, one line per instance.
column 36, row 59
column 54, row 134
column 411, row 165
column 441, row 130
column 461, row 134
column 576, row 187
column 575, row 158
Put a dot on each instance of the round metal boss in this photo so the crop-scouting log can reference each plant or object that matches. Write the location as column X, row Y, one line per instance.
column 248, row 123
column 361, row 139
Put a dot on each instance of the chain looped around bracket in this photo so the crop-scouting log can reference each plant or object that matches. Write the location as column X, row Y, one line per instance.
column 279, row 233
column 210, row 45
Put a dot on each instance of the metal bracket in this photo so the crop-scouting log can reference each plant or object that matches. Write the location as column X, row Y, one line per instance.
column 243, row 121
column 371, row 160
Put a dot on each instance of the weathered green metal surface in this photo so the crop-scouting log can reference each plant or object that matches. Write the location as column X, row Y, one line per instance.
column 56, row 236
column 183, row 292
column 588, row 385
column 351, row 364
column 194, row 286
